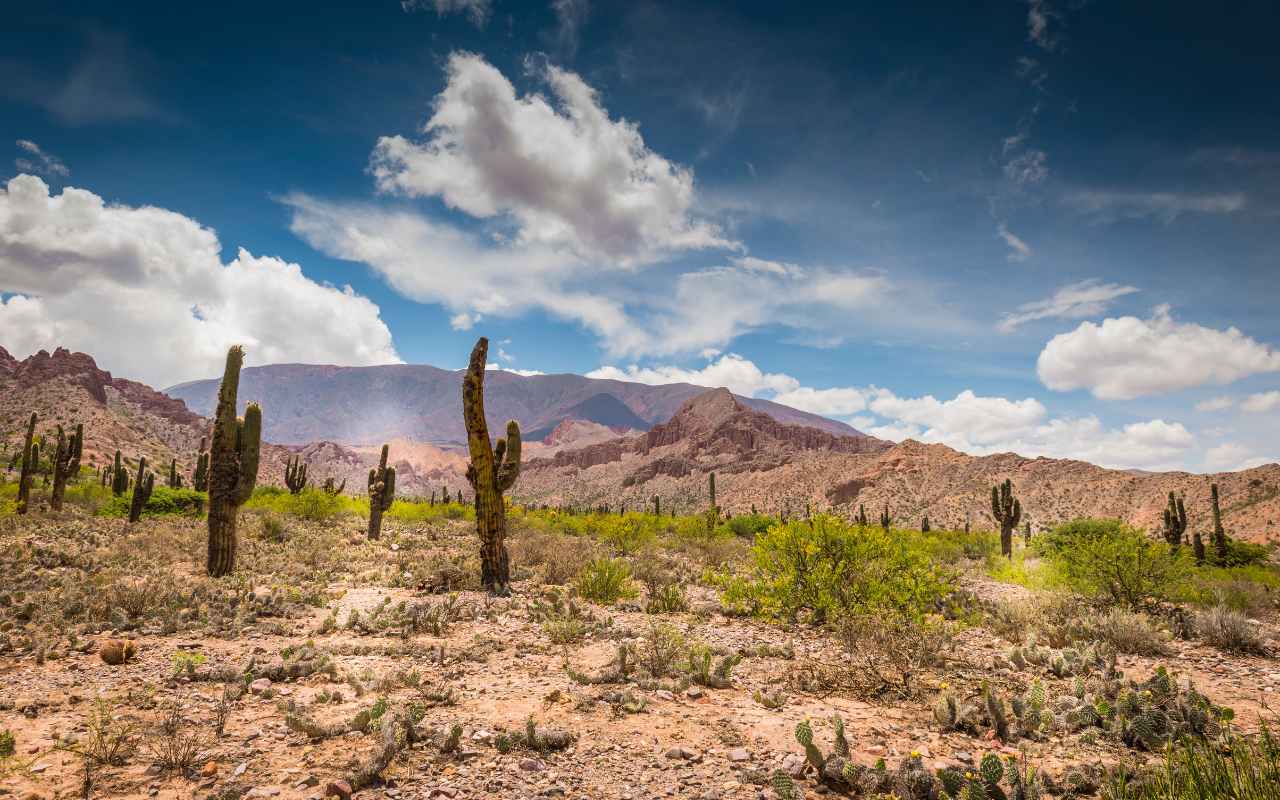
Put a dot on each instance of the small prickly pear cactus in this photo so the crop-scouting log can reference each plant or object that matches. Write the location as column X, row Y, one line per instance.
column 382, row 491
column 804, row 735
column 142, row 487
column 295, row 475
column 66, row 463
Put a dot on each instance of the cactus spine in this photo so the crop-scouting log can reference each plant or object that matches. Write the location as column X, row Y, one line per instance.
column 142, row 486
column 382, row 490
column 66, row 463
column 1219, row 535
column 492, row 471
column 1175, row 521
column 295, row 475
column 233, row 466
column 200, row 477
column 1007, row 511
column 30, row 460
column 119, row 477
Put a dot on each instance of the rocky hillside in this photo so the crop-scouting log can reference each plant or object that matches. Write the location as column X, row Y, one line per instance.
column 782, row 468
column 367, row 405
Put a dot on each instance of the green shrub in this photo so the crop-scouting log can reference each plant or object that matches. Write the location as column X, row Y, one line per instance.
column 605, row 580
column 163, row 501
column 1107, row 560
column 830, row 568
column 1243, row 767
column 312, row 503
column 749, row 526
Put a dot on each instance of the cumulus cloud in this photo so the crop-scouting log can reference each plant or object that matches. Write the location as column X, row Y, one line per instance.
column 1018, row 249
column 1086, row 298
column 1233, row 457
column 493, row 366
column 38, row 161
column 478, row 11
column 1106, row 206
column 1127, row 357
column 968, row 422
column 146, row 292
column 565, row 176
column 1219, row 403
column 1261, row 403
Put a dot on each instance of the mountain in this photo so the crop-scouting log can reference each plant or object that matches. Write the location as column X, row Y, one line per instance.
column 367, row 405
column 782, row 468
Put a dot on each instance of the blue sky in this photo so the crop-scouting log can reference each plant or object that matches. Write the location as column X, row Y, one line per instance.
column 1048, row 227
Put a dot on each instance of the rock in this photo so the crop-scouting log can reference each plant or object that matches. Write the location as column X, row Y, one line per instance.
column 663, row 694
column 261, row 792
column 684, row 754
column 531, row 765
column 444, row 791
column 739, row 754
column 338, row 788
column 117, row 651
column 793, row 765
column 260, row 685
column 240, row 768
column 694, row 692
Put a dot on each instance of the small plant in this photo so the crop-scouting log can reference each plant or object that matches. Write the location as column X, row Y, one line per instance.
column 175, row 744
column 1228, row 630
column 660, row 648
column 772, row 699
column 8, row 745
column 186, row 661
column 702, row 672
column 605, row 580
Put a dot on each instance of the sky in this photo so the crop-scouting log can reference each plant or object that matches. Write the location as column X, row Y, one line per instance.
column 1051, row 227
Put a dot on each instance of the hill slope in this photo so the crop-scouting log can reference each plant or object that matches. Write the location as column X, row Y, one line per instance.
column 367, row 405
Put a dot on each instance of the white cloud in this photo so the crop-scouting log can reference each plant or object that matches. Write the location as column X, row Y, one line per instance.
column 1108, row 206
column 731, row 371
column 1219, row 403
column 44, row 163
column 1027, row 168
column 967, row 421
column 571, row 15
column 566, row 176
column 479, row 11
column 1233, row 457
column 1261, row 403
column 146, row 292
column 1074, row 301
column 492, row 366
column 1127, row 357
column 1018, row 249
column 1039, row 14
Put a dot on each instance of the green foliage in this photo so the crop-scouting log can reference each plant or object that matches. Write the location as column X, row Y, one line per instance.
column 830, row 569
column 1242, row 767
column 749, row 526
column 311, row 503
column 605, row 580
column 1110, row 561
column 162, row 502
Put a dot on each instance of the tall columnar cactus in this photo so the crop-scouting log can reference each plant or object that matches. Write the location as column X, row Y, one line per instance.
column 175, row 477
column 966, row 523
column 30, row 461
column 142, row 486
column 1026, row 533
column 924, row 524
column 295, row 475
column 862, row 514
column 885, row 519
column 657, row 506
column 382, row 491
column 1007, row 512
column 493, row 470
column 1175, row 521
column 1197, row 545
column 119, row 477
column 331, row 487
column 233, row 466
column 66, row 463
column 1219, row 535
column 200, row 477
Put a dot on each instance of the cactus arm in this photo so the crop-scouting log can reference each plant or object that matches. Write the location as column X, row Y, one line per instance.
column 249, row 445
column 473, row 413
column 509, row 463
column 389, row 489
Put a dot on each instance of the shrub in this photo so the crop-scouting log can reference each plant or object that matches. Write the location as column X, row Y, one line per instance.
column 886, row 653
column 1228, row 630
column 1128, row 632
column 560, row 557
column 660, row 647
column 1110, row 561
column 749, row 526
column 829, row 568
column 163, row 501
column 1252, row 590
column 605, row 580
column 1239, row 767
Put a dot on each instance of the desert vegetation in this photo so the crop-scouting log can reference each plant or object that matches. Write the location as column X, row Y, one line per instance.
column 213, row 637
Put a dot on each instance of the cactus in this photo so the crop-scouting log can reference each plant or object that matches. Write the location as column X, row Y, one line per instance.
column 233, row 466
column 1197, row 544
column 966, row 523
column 332, row 488
column 657, row 506
column 492, row 471
column 1175, row 521
column 1026, row 533
column 862, row 514
column 1007, row 511
column 30, row 460
column 175, row 477
column 200, row 478
column 295, row 475
column 1219, row 535
column 924, row 524
column 995, row 712
column 382, row 491
column 885, row 519
column 142, row 486
column 804, row 735
column 66, row 463
column 119, row 477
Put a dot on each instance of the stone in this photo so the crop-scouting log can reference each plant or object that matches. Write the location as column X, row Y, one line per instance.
column 339, row 788
column 663, row 694
column 240, row 768
column 739, row 754
column 531, row 765
column 694, row 692
column 260, row 685
column 793, row 765
column 683, row 754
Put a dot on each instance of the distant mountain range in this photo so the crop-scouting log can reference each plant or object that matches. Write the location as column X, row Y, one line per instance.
column 367, row 405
